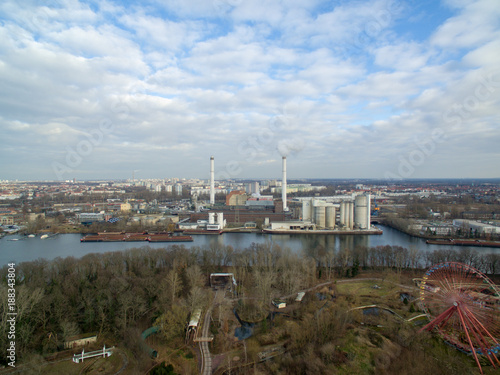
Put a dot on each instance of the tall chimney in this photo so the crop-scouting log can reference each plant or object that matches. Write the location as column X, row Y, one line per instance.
column 283, row 186
column 212, row 181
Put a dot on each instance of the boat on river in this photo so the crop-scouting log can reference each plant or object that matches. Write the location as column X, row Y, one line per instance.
column 135, row 237
column 480, row 243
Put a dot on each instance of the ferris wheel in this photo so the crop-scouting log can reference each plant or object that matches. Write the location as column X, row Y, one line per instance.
column 463, row 305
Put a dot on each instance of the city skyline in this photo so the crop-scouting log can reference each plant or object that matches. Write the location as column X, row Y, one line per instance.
column 371, row 90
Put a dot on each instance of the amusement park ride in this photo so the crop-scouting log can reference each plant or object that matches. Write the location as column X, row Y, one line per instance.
column 463, row 305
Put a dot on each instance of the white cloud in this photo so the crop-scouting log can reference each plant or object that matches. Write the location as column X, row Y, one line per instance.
column 342, row 87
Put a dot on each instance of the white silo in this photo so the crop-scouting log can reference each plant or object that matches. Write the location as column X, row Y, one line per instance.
column 360, row 210
column 350, row 215
column 211, row 218
column 342, row 214
column 368, row 211
column 319, row 215
column 220, row 219
column 306, row 209
column 330, row 217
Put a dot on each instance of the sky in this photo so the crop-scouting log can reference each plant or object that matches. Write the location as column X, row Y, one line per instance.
column 344, row 89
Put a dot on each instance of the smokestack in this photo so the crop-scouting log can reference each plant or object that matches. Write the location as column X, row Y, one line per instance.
column 212, row 181
column 283, row 185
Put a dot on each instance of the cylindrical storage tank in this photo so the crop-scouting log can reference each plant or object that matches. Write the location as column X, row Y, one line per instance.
column 368, row 211
column 360, row 212
column 306, row 210
column 342, row 214
column 330, row 217
column 319, row 216
column 211, row 218
column 351, row 215
column 220, row 219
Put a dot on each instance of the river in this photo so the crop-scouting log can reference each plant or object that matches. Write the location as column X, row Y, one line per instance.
column 64, row 245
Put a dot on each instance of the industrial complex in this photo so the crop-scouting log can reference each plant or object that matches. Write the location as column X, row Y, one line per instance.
column 348, row 215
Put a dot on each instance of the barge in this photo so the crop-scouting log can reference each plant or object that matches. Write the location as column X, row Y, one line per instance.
column 480, row 243
column 135, row 237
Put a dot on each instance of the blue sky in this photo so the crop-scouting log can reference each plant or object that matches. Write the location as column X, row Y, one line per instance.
column 344, row 89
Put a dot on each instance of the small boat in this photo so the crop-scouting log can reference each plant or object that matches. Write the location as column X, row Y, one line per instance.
column 31, row 235
column 44, row 236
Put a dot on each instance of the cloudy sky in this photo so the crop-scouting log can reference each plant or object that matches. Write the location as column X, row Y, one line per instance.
column 345, row 89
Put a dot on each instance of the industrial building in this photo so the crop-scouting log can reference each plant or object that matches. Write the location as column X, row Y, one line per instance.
column 318, row 214
column 87, row 218
column 261, row 201
column 481, row 228
column 244, row 215
column 236, row 198
column 351, row 213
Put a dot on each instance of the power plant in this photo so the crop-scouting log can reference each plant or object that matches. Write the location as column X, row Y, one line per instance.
column 348, row 214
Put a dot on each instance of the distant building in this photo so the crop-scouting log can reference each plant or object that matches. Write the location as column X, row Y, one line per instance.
column 88, row 218
column 481, row 228
column 480, row 215
column 33, row 216
column 178, row 189
column 437, row 229
column 291, row 225
column 260, row 201
column 125, row 207
column 6, row 220
column 253, row 188
column 294, row 188
column 236, row 198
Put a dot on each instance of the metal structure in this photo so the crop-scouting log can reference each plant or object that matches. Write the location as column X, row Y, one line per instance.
column 463, row 305
column 104, row 352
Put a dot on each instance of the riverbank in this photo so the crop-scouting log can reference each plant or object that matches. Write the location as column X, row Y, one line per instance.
column 436, row 239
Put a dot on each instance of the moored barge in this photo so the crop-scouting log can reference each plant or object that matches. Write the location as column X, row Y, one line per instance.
column 480, row 243
column 134, row 237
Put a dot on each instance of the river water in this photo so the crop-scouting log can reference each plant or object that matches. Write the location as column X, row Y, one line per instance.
column 64, row 245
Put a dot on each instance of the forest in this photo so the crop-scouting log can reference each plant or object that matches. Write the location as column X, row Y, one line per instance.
column 119, row 294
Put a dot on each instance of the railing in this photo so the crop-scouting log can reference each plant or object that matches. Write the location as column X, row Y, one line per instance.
column 77, row 358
